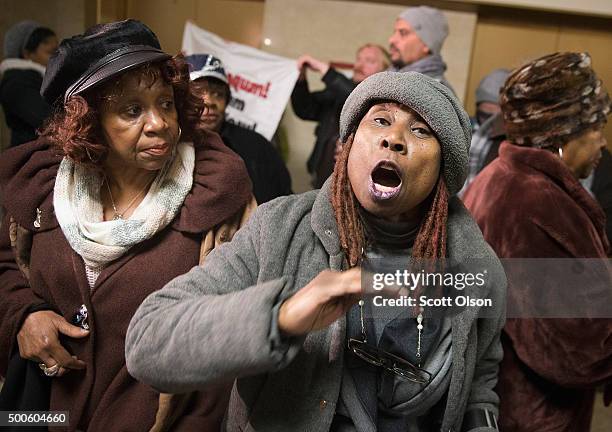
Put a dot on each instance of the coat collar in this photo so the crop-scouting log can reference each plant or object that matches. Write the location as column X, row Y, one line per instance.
column 323, row 220
column 465, row 240
column 221, row 185
column 465, row 243
column 549, row 164
column 21, row 64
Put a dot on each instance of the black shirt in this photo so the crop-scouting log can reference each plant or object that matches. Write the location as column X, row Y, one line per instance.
column 266, row 168
column 24, row 108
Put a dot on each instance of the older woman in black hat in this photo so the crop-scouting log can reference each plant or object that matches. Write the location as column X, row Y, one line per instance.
column 278, row 309
column 118, row 196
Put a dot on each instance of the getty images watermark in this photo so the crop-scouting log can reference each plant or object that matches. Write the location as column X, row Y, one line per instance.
column 523, row 288
column 401, row 287
column 397, row 285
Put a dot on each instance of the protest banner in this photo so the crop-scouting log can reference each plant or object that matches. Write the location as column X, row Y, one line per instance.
column 260, row 83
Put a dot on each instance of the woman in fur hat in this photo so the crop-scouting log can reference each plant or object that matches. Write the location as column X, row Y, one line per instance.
column 530, row 204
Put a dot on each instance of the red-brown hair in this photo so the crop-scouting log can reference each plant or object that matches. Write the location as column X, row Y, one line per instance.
column 75, row 127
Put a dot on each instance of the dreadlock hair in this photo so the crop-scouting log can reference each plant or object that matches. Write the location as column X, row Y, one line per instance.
column 430, row 242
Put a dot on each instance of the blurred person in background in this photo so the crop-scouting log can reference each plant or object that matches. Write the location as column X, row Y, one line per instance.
column 487, row 96
column 324, row 106
column 417, row 39
column 490, row 133
column 120, row 194
column 487, row 125
column 27, row 49
column 529, row 203
column 263, row 162
column 600, row 185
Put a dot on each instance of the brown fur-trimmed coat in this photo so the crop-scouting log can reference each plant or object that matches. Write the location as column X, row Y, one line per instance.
column 529, row 205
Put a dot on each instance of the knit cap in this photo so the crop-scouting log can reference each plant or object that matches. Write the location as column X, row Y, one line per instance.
column 433, row 101
column 16, row 38
column 429, row 24
column 490, row 85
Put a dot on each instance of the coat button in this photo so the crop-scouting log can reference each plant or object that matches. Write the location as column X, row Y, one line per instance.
column 328, row 232
column 38, row 217
column 323, row 404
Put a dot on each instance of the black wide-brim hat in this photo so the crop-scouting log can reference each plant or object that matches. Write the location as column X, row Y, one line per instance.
column 102, row 52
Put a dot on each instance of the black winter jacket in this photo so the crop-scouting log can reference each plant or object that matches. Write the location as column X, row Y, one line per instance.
column 24, row 108
column 323, row 107
column 267, row 170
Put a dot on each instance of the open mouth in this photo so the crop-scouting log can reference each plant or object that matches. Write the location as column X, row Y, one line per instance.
column 385, row 180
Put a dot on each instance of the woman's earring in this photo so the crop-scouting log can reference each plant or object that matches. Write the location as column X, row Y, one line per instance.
column 174, row 148
column 561, row 152
column 93, row 161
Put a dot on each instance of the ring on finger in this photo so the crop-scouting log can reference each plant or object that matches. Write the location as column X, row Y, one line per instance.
column 49, row 370
column 52, row 371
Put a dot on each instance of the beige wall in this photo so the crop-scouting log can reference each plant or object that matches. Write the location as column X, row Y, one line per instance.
column 235, row 20
column 333, row 30
column 587, row 7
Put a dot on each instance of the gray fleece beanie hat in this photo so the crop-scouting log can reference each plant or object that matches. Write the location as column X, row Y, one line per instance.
column 429, row 24
column 490, row 85
column 434, row 102
column 17, row 37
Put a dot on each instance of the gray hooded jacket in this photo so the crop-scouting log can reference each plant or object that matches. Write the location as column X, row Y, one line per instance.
column 217, row 323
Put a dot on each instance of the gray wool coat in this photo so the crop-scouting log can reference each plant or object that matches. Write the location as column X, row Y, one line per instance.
column 217, row 323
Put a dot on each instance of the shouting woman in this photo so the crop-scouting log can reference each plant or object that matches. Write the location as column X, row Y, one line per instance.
column 274, row 309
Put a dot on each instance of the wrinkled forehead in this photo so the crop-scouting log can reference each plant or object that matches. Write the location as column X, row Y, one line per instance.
column 369, row 50
column 392, row 105
column 135, row 81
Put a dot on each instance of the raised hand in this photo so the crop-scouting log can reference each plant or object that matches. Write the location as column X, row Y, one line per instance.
column 325, row 299
column 308, row 62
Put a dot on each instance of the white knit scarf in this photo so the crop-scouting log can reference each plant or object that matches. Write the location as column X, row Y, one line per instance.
column 80, row 213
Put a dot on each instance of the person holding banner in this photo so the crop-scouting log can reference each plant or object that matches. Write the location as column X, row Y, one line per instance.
column 324, row 106
column 266, row 168
column 275, row 309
